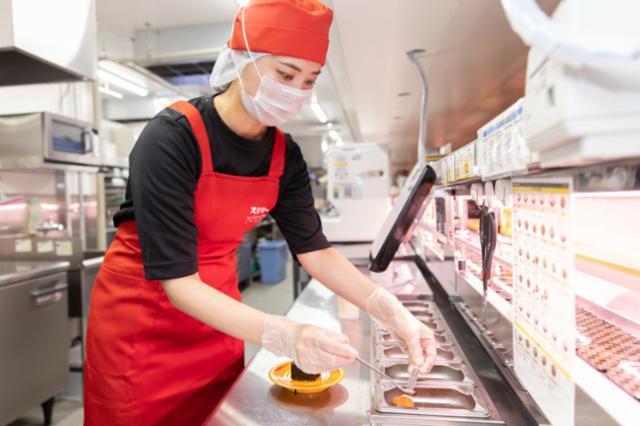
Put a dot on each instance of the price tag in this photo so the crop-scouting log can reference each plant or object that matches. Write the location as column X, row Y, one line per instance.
column 23, row 246
column 64, row 248
column 44, row 246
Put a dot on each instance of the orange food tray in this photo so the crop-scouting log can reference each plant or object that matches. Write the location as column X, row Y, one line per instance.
column 281, row 376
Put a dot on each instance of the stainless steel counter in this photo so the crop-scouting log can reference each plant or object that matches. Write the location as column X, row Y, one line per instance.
column 254, row 400
column 12, row 271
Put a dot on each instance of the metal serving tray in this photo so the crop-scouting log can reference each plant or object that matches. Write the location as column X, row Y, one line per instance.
column 449, row 372
column 422, row 309
column 386, row 339
column 415, row 302
column 445, row 399
column 396, row 353
column 450, row 394
column 423, row 315
column 387, row 348
column 409, row 300
column 418, row 309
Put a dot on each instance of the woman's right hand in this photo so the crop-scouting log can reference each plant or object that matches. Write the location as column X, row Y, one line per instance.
column 313, row 349
column 415, row 338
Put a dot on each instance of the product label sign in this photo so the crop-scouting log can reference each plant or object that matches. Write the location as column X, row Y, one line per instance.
column 544, row 294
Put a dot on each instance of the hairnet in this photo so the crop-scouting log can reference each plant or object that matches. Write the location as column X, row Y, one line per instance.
column 229, row 63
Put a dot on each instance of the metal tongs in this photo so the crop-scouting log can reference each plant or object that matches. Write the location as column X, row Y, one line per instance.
column 488, row 240
column 406, row 390
column 413, row 379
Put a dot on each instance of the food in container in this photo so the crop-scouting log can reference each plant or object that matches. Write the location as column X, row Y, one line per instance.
column 404, row 401
column 435, row 398
column 298, row 374
column 627, row 376
column 281, row 376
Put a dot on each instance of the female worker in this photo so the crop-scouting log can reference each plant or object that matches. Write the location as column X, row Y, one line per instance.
column 167, row 326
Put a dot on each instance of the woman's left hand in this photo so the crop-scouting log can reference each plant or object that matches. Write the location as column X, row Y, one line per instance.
column 414, row 337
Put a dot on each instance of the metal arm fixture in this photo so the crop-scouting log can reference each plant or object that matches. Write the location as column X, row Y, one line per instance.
column 422, row 136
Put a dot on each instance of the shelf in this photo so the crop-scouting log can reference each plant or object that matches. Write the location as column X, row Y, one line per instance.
column 496, row 281
column 616, row 402
column 473, row 241
column 610, row 397
column 494, row 299
column 615, row 274
column 467, row 181
column 436, row 247
column 434, row 231
column 597, row 294
column 436, row 251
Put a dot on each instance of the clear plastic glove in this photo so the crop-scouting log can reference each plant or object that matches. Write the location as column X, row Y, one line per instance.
column 414, row 337
column 313, row 349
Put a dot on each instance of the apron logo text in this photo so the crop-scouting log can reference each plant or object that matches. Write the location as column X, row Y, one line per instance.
column 256, row 214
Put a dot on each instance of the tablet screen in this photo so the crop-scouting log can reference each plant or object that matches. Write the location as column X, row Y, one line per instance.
column 398, row 225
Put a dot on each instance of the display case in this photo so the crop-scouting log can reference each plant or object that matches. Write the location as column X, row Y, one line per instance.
column 562, row 310
column 434, row 230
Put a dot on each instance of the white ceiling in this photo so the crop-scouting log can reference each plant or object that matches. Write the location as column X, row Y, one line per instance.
column 118, row 20
column 474, row 62
column 137, row 14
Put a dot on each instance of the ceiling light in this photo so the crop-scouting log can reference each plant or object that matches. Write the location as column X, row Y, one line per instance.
column 329, row 125
column 333, row 134
column 109, row 92
column 319, row 112
column 116, row 80
column 126, row 72
column 324, row 146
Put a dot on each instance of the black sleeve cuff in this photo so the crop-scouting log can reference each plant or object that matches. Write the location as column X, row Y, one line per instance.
column 169, row 271
column 318, row 242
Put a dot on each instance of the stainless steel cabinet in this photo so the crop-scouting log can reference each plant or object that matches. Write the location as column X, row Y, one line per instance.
column 34, row 343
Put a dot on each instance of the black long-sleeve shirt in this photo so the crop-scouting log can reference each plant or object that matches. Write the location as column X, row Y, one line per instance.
column 164, row 168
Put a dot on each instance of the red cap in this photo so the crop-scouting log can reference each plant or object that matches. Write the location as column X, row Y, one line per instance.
column 297, row 28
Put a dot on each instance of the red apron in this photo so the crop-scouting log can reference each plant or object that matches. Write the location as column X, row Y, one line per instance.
column 147, row 362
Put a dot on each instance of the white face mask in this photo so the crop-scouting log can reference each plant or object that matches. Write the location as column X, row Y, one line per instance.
column 274, row 103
